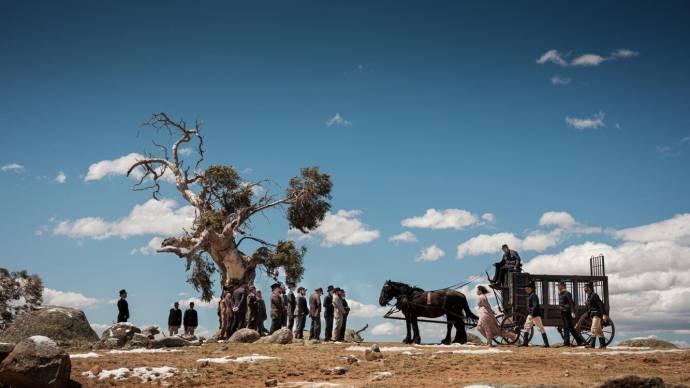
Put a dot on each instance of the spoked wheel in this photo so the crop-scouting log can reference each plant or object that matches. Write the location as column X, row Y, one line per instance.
column 513, row 323
column 584, row 325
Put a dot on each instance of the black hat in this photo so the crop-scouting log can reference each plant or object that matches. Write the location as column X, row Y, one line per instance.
column 275, row 285
column 330, row 288
column 301, row 288
column 123, row 291
column 337, row 289
column 589, row 285
column 530, row 285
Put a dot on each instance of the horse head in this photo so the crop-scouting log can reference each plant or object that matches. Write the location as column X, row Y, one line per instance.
column 389, row 291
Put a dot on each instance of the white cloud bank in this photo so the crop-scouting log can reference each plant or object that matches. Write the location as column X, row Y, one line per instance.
column 162, row 217
column 341, row 228
column 430, row 253
column 76, row 300
column 595, row 121
column 442, row 219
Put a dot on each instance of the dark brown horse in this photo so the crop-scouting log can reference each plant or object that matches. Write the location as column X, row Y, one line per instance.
column 414, row 302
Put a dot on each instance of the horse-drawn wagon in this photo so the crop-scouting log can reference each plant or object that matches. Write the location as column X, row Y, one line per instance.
column 511, row 300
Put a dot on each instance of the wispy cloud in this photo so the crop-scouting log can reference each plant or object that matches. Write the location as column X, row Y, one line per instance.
column 406, row 236
column 588, row 59
column 13, row 167
column 594, row 122
column 60, row 177
column 685, row 140
column 442, row 219
column 558, row 80
column 430, row 253
column 338, row 120
column 667, row 151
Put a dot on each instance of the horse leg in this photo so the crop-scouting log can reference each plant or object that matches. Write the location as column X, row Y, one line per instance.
column 460, row 333
column 415, row 327
column 408, row 337
column 449, row 325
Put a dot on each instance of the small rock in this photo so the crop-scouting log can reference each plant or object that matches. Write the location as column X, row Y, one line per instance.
column 371, row 355
column 375, row 348
column 245, row 336
column 378, row 376
column 351, row 359
column 339, row 370
column 203, row 364
column 632, row 381
column 271, row 382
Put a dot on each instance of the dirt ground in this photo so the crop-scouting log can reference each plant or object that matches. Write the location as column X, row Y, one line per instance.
column 306, row 365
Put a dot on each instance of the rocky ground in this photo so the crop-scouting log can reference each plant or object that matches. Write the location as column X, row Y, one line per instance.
column 330, row 365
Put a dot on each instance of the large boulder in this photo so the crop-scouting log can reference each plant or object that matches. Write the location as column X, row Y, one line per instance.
column 36, row 362
column 245, row 336
column 66, row 326
column 282, row 336
column 632, row 381
column 173, row 342
column 648, row 342
column 117, row 335
column 5, row 350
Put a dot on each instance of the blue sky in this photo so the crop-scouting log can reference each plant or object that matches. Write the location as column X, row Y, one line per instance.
column 441, row 106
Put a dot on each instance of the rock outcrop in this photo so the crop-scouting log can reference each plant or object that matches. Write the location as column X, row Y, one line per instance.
column 632, row 381
column 282, row 336
column 5, row 350
column 117, row 336
column 245, row 336
column 648, row 342
column 173, row 342
column 66, row 326
column 36, row 362
column 20, row 293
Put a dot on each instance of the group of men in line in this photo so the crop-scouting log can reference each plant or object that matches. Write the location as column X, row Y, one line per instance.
column 596, row 309
column 175, row 317
column 290, row 308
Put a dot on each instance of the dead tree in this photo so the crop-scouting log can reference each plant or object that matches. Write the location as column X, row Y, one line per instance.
column 225, row 205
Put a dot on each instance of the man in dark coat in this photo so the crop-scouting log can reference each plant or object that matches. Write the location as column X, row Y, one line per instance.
column 122, row 307
column 174, row 319
column 343, row 295
column 239, row 307
column 301, row 311
column 261, row 312
column 284, row 297
column 252, row 310
column 328, row 313
column 291, row 305
column 277, row 307
column 534, row 316
column 315, row 314
column 596, row 309
column 510, row 262
column 191, row 320
column 567, row 307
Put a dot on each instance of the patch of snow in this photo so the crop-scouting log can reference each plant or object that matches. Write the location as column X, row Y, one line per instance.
column 42, row 340
column 311, row 384
column 626, row 352
column 409, row 353
column 226, row 359
column 383, row 348
column 476, row 351
column 84, row 355
column 21, row 302
column 61, row 311
column 453, row 345
column 143, row 373
column 143, row 350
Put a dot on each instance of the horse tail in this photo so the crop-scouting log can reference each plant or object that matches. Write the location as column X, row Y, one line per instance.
column 466, row 308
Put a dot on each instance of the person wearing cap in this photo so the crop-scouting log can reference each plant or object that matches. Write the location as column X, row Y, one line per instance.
column 261, row 313
column 328, row 313
column 301, row 312
column 596, row 310
column 239, row 307
column 315, row 314
column 291, row 305
column 122, row 307
column 277, row 307
column 252, row 310
column 343, row 297
column 510, row 262
column 174, row 319
column 567, row 307
column 339, row 315
column 534, row 315
column 191, row 320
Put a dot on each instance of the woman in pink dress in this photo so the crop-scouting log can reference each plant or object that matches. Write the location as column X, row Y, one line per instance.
column 487, row 325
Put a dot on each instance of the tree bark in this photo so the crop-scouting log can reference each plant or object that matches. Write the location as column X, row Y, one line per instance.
column 231, row 263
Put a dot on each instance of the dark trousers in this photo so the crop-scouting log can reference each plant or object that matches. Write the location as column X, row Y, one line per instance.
column 238, row 321
column 315, row 331
column 290, row 321
column 341, row 335
column 301, row 322
column 121, row 318
column 328, row 335
column 569, row 329
column 276, row 324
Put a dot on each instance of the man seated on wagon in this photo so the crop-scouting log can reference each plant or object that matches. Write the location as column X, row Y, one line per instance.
column 509, row 263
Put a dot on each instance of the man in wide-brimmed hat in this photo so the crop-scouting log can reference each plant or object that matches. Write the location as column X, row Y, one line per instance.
column 291, row 305
column 122, row 307
column 277, row 307
column 315, row 314
column 340, row 314
column 534, row 315
column 301, row 311
column 328, row 313
column 596, row 309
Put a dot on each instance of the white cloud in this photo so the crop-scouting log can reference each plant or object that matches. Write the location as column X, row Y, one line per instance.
column 386, row 329
column 12, row 167
column 624, row 53
column 442, row 219
column 149, row 249
column 185, row 151
column 674, row 229
column 593, row 122
column 487, row 243
column 488, row 217
column 430, row 253
column 152, row 217
column 60, row 177
column 667, row 151
column 342, row 228
column 552, row 56
column 338, row 120
column 53, row 297
column 403, row 237
column 363, row 310
column 588, row 60
column 558, row 80
column 562, row 219
column 119, row 167
column 198, row 303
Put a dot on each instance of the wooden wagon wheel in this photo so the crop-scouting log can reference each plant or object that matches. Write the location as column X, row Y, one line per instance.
column 513, row 323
